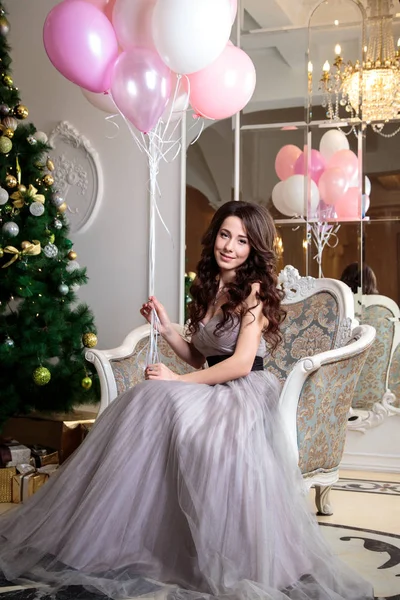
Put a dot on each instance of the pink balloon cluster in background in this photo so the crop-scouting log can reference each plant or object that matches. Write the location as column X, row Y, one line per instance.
column 333, row 185
column 129, row 52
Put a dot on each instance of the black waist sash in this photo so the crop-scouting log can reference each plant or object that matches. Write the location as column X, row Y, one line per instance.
column 258, row 364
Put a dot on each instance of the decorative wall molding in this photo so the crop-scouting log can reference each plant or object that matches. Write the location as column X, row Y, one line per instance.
column 78, row 175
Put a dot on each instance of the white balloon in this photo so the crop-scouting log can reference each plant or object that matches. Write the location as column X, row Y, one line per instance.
column 279, row 201
column 103, row 102
column 367, row 186
column 365, row 204
column 332, row 141
column 294, row 194
column 190, row 34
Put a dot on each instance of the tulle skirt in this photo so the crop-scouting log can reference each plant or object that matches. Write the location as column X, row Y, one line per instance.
column 183, row 490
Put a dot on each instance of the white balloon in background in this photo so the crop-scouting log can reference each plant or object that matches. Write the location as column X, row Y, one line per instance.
column 132, row 21
column 331, row 142
column 367, row 186
column 278, row 200
column 295, row 198
column 190, row 34
column 103, row 102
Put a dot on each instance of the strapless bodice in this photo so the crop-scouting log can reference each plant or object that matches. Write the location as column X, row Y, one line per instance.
column 212, row 343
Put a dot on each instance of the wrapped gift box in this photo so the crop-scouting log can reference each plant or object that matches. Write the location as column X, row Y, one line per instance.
column 6, row 477
column 13, row 453
column 61, row 431
column 29, row 480
column 44, row 456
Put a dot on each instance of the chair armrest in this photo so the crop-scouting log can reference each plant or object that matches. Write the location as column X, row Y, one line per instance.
column 362, row 339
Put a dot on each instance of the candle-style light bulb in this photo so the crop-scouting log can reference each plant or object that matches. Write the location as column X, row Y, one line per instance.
column 327, row 67
column 338, row 50
column 310, row 66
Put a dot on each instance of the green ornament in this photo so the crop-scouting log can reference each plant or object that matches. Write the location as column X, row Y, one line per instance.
column 52, row 238
column 68, row 243
column 41, row 376
column 47, row 231
column 5, row 145
column 86, row 383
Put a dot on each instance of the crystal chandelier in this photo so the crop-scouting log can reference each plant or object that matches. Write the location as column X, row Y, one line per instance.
column 369, row 90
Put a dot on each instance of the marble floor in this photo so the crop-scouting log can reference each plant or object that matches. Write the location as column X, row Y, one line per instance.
column 364, row 531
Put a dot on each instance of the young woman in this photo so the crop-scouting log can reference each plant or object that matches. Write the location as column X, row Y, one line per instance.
column 184, row 487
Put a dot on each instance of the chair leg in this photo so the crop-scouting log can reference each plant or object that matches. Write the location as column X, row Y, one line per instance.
column 322, row 501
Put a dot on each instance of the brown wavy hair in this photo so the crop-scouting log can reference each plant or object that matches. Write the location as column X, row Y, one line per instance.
column 260, row 267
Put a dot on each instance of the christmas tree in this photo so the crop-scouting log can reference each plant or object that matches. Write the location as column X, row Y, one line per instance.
column 43, row 332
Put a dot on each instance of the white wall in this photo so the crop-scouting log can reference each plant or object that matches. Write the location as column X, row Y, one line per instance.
column 114, row 249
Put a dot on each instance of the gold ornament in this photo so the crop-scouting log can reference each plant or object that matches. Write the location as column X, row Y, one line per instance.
column 8, row 133
column 24, row 245
column 48, row 180
column 22, row 188
column 72, row 255
column 50, row 164
column 86, row 383
column 89, row 340
column 5, row 145
column 11, row 181
column 41, row 376
column 63, row 207
column 1, row 252
column 4, row 26
column 32, row 249
column 21, row 111
column 19, row 198
column 10, row 123
column 8, row 80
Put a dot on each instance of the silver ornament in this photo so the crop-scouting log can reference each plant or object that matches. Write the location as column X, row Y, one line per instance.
column 57, row 224
column 10, row 228
column 40, row 136
column 57, row 200
column 50, row 250
column 3, row 196
column 9, row 342
column 63, row 289
column 72, row 266
column 75, row 287
column 36, row 209
column 31, row 140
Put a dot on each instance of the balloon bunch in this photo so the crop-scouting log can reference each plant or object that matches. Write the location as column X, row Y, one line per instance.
column 332, row 187
column 135, row 50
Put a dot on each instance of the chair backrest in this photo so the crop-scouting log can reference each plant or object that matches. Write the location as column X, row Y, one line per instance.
column 320, row 314
column 316, row 400
column 383, row 314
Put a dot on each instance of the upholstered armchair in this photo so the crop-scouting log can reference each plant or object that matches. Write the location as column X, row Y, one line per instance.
column 318, row 364
column 377, row 394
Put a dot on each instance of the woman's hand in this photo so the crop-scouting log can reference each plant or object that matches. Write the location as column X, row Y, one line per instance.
column 161, row 373
column 164, row 326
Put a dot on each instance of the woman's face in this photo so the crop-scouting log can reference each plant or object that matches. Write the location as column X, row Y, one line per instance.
column 232, row 247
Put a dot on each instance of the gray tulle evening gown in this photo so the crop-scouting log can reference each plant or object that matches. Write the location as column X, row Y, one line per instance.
column 182, row 490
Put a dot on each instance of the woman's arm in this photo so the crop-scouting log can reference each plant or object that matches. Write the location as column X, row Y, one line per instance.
column 236, row 366
column 185, row 350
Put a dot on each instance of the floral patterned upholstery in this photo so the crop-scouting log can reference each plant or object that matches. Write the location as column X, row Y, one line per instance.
column 394, row 376
column 322, row 414
column 129, row 371
column 310, row 327
column 372, row 383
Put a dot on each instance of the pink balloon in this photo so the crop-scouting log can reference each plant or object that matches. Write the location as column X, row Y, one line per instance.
column 348, row 207
column 332, row 185
column 316, row 168
column 141, row 87
column 285, row 161
column 132, row 20
column 234, row 5
column 81, row 43
column 224, row 87
column 106, row 6
column 346, row 160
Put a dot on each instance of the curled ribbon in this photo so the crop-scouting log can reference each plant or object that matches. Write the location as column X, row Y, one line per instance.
column 31, row 250
column 19, row 198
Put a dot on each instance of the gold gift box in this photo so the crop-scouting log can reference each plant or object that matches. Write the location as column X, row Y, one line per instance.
column 29, row 480
column 6, row 478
